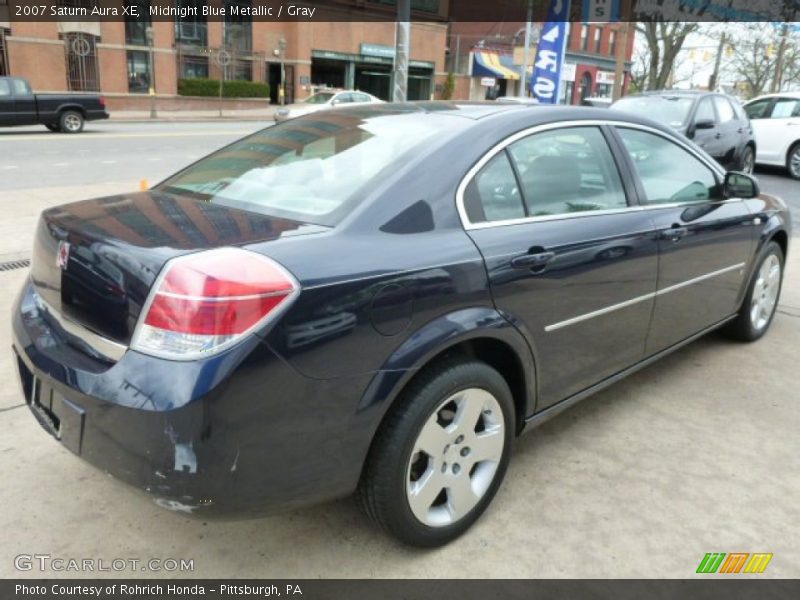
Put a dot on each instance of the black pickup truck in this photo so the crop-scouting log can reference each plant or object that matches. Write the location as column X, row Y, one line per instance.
column 58, row 112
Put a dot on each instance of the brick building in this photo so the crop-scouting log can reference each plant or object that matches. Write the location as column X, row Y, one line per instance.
column 113, row 57
column 476, row 49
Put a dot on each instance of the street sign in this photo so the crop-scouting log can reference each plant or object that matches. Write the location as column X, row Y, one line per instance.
column 222, row 58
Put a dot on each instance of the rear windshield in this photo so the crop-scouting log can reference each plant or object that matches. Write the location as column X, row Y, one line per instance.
column 320, row 98
column 668, row 110
column 312, row 169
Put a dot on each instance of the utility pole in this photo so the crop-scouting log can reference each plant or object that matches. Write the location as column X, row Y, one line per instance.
column 148, row 33
column 526, row 53
column 402, row 44
column 622, row 50
column 714, row 79
column 776, row 80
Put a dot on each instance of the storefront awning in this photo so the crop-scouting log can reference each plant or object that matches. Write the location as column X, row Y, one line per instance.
column 492, row 64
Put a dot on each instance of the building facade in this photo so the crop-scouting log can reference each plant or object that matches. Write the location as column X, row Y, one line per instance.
column 491, row 55
column 114, row 57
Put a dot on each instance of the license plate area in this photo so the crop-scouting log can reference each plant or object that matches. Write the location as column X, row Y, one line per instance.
column 61, row 418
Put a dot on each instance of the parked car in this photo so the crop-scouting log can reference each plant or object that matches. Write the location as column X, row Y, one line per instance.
column 715, row 122
column 516, row 100
column 379, row 300
column 599, row 102
column 776, row 122
column 66, row 113
column 323, row 100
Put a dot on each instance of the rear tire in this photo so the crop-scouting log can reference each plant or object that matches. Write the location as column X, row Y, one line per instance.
column 440, row 454
column 71, row 121
column 761, row 299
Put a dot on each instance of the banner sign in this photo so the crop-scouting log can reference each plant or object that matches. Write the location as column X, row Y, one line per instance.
column 600, row 11
column 546, row 80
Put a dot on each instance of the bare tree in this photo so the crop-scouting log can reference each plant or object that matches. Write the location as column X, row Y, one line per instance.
column 764, row 57
column 664, row 42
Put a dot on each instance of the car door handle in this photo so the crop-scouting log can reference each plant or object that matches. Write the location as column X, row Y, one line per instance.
column 533, row 261
column 674, row 233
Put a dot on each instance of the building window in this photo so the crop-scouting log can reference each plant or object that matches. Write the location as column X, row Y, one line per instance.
column 136, row 28
column 238, row 36
column 584, row 37
column 598, row 36
column 612, row 43
column 138, row 72
column 192, row 30
column 3, row 53
column 193, row 67
column 82, row 71
column 239, row 69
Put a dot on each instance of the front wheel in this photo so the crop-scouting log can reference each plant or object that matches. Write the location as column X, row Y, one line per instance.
column 748, row 162
column 761, row 299
column 793, row 161
column 71, row 122
column 441, row 453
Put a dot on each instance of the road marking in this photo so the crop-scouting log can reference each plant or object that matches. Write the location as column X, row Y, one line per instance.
column 7, row 167
column 109, row 162
column 60, row 164
column 109, row 136
column 153, row 159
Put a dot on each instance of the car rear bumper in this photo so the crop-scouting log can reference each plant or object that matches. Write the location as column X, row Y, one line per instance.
column 241, row 432
column 97, row 115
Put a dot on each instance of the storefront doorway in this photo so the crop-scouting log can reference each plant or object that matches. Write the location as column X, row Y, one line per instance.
column 274, row 81
column 375, row 80
column 328, row 73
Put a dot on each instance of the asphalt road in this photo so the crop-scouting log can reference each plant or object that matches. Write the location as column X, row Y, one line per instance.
column 33, row 157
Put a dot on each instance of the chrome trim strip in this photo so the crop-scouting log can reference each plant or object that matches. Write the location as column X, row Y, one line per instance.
column 683, row 284
column 101, row 345
column 632, row 301
column 497, row 148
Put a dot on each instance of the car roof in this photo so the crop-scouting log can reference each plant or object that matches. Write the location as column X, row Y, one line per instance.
column 777, row 95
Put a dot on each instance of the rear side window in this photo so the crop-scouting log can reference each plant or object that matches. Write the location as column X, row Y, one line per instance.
column 668, row 173
column 567, row 171
column 5, row 89
column 21, row 87
column 724, row 109
column 785, row 108
column 493, row 194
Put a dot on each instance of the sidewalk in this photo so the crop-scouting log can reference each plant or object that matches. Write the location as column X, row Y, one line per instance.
column 260, row 114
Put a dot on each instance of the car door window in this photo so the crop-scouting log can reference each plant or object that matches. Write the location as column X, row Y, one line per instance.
column 759, row 109
column 343, row 99
column 5, row 89
column 21, row 87
column 724, row 109
column 785, row 108
column 360, row 98
column 668, row 172
column 705, row 111
column 566, row 171
column 493, row 194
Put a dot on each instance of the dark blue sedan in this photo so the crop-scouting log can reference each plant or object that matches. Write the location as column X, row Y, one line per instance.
column 379, row 300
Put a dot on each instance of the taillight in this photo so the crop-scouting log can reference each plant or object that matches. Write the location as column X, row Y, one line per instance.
column 102, row 102
column 205, row 302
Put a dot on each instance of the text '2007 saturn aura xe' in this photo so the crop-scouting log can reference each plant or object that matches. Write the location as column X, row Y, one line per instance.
column 379, row 299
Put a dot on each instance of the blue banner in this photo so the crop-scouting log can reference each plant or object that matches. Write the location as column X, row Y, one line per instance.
column 546, row 80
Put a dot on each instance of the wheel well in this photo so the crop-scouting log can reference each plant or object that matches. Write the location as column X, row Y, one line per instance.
column 77, row 109
column 782, row 240
column 498, row 355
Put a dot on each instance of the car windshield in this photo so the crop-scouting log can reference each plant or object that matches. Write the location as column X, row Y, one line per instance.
column 312, row 169
column 319, row 98
column 669, row 110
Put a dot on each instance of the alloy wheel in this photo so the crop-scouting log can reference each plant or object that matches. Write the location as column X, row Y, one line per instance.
column 765, row 292
column 794, row 163
column 455, row 457
column 748, row 162
column 72, row 122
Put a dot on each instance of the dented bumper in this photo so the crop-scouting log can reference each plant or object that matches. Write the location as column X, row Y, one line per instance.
column 238, row 432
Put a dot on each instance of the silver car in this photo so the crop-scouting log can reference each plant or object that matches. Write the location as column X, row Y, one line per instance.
column 322, row 101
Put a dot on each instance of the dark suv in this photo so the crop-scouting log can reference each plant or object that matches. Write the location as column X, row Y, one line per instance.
column 715, row 122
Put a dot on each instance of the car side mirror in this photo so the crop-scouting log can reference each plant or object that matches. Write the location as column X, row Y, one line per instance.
column 704, row 124
column 740, row 185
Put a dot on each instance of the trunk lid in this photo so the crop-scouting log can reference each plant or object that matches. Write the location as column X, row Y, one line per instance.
column 95, row 261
